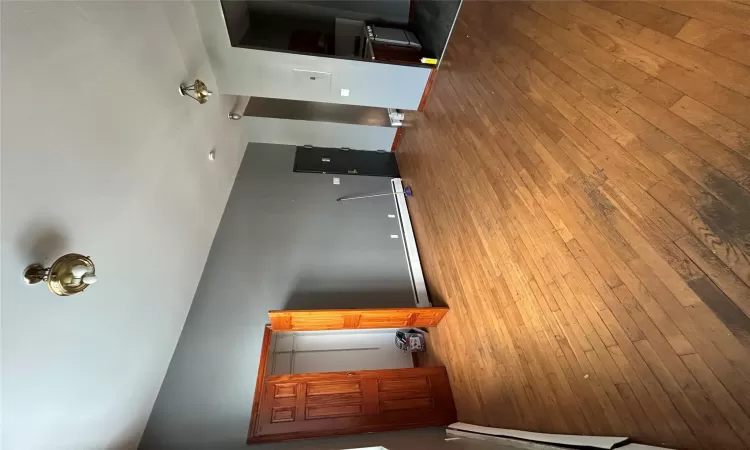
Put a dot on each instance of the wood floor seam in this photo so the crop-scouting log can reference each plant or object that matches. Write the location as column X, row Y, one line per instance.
column 583, row 214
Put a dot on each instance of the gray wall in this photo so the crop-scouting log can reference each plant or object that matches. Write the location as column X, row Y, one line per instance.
column 102, row 156
column 433, row 22
column 283, row 242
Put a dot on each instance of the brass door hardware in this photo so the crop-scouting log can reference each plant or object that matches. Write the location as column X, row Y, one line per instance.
column 68, row 275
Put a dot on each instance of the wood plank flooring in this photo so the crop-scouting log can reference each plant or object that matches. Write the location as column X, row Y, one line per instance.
column 581, row 176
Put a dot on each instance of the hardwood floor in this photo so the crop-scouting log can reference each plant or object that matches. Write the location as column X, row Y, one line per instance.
column 581, row 176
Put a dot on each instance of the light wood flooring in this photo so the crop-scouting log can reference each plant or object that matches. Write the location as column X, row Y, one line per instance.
column 581, row 203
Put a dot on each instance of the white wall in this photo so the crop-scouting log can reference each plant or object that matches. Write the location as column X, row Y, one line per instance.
column 100, row 155
column 300, row 352
column 260, row 73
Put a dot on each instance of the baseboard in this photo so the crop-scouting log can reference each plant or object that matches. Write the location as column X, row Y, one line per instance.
column 421, row 298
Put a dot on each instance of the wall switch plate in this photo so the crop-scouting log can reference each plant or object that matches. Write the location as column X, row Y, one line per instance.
column 391, row 216
column 336, row 180
column 345, row 92
column 394, row 236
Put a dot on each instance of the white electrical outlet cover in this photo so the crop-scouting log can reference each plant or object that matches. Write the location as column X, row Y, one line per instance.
column 345, row 92
column 394, row 236
column 336, row 180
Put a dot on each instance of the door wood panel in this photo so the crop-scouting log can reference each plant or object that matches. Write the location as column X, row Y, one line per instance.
column 345, row 319
column 326, row 404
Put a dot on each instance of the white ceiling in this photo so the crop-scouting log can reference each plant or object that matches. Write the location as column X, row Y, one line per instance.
column 100, row 155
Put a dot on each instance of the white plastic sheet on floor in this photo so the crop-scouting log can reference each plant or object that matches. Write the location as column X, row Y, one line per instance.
column 571, row 440
column 640, row 447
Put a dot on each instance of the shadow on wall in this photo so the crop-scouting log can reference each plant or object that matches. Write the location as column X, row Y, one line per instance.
column 347, row 299
column 435, row 295
column 306, row 296
column 126, row 442
column 42, row 242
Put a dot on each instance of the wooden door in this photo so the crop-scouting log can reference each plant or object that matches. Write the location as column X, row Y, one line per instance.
column 325, row 404
column 345, row 319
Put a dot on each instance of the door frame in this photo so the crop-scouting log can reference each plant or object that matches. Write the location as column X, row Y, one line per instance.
column 260, row 384
column 260, row 388
column 355, row 319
